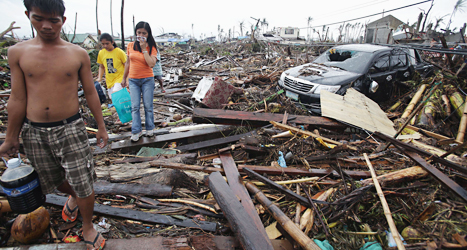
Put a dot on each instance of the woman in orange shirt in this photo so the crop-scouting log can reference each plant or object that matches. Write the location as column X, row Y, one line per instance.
column 142, row 56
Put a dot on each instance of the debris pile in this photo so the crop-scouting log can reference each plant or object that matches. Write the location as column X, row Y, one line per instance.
column 257, row 170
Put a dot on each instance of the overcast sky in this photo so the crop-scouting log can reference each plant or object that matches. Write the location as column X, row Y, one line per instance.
column 203, row 17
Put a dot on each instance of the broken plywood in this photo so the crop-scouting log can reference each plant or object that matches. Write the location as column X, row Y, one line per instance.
column 356, row 109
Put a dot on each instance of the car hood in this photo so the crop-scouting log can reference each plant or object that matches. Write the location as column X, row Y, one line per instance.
column 322, row 74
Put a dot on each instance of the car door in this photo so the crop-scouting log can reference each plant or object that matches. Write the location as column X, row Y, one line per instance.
column 380, row 72
column 399, row 64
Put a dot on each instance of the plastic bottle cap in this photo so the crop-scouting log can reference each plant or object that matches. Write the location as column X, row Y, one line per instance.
column 13, row 163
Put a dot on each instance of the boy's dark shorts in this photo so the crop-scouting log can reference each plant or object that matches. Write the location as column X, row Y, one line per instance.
column 159, row 77
column 59, row 153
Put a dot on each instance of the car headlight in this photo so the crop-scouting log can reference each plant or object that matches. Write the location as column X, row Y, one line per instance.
column 332, row 89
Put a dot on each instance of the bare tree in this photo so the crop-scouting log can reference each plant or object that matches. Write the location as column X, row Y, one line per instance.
column 121, row 23
column 74, row 31
column 242, row 23
column 426, row 15
column 460, row 5
column 97, row 20
column 111, row 22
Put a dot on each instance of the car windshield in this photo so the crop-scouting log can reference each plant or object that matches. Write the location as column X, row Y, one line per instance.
column 350, row 60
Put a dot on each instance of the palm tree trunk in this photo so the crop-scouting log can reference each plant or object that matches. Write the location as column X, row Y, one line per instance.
column 121, row 23
column 111, row 22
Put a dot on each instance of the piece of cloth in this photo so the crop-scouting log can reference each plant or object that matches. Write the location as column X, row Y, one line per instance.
column 158, row 77
column 139, row 68
column 145, row 88
column 59, row 153
column 372, row 245
column 157, row 70
column 324, row 245
column 114, row 63
column 117, row 86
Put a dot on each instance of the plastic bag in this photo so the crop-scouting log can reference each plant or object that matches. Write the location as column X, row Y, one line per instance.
column 122, row 102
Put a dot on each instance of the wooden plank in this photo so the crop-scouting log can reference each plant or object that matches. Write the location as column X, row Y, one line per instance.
column 412, row 148
column 440, row 176
column 213, row 142
column 103, row 187
column 161, row 140
column 304, row 201
column 263, row 169
column 308, row 133
column 428, row 133
column 248, row 234
column 53, row 199
column 221, row 116
column 171, row 158
column 236, row 184
column 356, row 109
column 283, row 219
column 311, row 172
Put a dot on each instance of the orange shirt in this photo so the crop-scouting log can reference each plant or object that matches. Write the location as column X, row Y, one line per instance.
column 138, row 67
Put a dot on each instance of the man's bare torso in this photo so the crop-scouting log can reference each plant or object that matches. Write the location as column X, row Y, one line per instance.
column 51, row 77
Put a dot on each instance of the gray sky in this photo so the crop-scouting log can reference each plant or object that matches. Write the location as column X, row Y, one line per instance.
column 207, row 15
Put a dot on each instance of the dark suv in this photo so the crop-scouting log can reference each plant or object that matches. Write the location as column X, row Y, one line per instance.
column 370, row 69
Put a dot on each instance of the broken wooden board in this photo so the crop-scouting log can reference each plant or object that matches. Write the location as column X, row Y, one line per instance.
column 169, row 158
column 181, row 137
column 214, row 142
column 422, row 152
column 222, row 116
column 130, row 214
column 103, row 187
column 310, row 172
column 125, row 172
column 440, row 176
column 243, row 226
column 356, row 109
column 236, row 185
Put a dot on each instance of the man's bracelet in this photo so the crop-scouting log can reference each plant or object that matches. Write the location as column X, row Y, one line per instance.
column 145, row 51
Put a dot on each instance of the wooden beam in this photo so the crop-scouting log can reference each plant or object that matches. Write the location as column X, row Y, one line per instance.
column 213, row 142
column 283, row 219
column 236, row 184
column 308, row 133
column 440, row 176
column 304, row 201
column 303, row 172
column 180, row 137
column 103, row 187
column 53, row 199
column 248, row 234
column 262, row 169
column 412, row 148
column 221, row 116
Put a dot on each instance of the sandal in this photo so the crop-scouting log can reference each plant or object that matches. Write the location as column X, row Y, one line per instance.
column 92, row 243
column 66, row 217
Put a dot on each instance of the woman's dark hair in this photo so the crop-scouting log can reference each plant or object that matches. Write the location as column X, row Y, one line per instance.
column 47, row 6
column 151, row 42
column 109, row 38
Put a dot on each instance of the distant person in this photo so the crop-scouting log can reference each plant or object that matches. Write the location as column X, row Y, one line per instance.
column 111, row 60
column 44, row 104
column 157, row 70
column 142, row 56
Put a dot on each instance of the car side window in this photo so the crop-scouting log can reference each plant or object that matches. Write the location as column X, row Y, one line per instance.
column 380, row 65
column 398, row 60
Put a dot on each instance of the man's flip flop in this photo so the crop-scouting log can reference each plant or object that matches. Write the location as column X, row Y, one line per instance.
column 66, row 217
column 94, row 242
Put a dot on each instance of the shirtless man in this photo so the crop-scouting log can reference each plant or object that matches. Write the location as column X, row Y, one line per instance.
column 44, row 104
